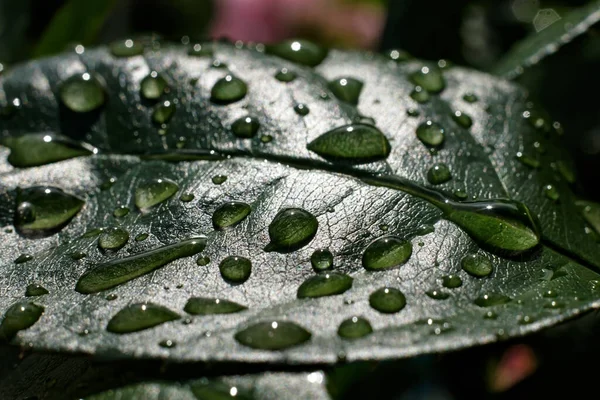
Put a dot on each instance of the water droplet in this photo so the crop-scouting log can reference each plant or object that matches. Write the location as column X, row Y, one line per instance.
column 153, row 86
column 163, row 112
column 462, row 119
column 108, row 183
column 230, row 214
column 321, row 260
column 346, row 89
column 550, row 293
column 36, row 149
column 491, row 299
column 207, row 390
column 299, row 51
column 431, row 134
column 429, row 78
column 412, row 112
column 113, row 239
column 167, row 343
column 245, row 127
column 126, row 48
column 437, row 294
column 200, row 50
column 387, row 300
column 202, row 261
column 44, row 210
column 525, row 319
column 554, row 304
column 528, row 160
column 121, row 211
column 141, row 237
column 301, row 109
column 18, row 317
column 566, row 171
column 186, row 197
column 420, row 95
column 208, row 306
column 23, row 258
column 111, row 297
column 438, row 174
column 35, row 289
column 354, row 328
column 228, row 90
column 285, row 75
column 291, row 229
column 470, row 98
column 461, row 194
column 490, row 315
column 219, row 179
column 266, row 138
column 451, row 281
column 386, row 252
column 82, row 93
column 110, row 274
column 477, row 265
column 399, row 55
column 356, row 143
column 325, row 284
column 275, row 335
column 154, row 192
column 140, row 316
column 551, row 192
column 235, row 269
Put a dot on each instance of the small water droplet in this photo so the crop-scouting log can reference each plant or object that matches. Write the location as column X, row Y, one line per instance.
column 23, row 258
column 291, row 229
column 354, row 328
column 451, row 281
column 245, row 127
column 461, row 194
column 140, row 316
column 163, row 112
column 429, row 78
column 230, row 214
column 202, row 261
column 462, row 119
column 477, row 265
column 346, row 89
column 228, row 90
column 528, row 160
column 218, row 64
column 141, row 237
column 431, row 134
column 82, row 93
column 35, row 289
column 437, row 294
column 301, row 109
column 111, row 297
column 285, row 75
column 398, row 55
column 186, row 197
column 325, row 284
column 551, row 192
column 209, row 306
column 490, row 315
column 412, row 112
column 266, row 138
column 491, row 299
column 438, row 174
column 200, row 50
column 126, row 48
column 386, row 252
column 420, row 95
column 113, row 239
column 299, row 51
column 387, row 300
column 550, row 293
column 107, row 184
column 470, row 97
column 36, row 149
column 153, row 192
column 219, row 179
column 554, row 304
column 235, row 269
column 273, row 335
column 121, row 211
column 167, row 343
column 525, row 319
column 153, row 86
column 321, row 260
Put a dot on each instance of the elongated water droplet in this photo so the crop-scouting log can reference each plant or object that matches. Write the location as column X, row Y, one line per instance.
column 44, row 210
column 477, row 265
column 420, row 95
column 235, row 269
column 566, row 171
column 462, row 119
column 550, row 294
column 18, row 317
column 23, row 258
column 275, row 335
column 437, row 294
column 356, row 143
column 219, row 179
column 121, row 211
column 78, row 255
column 451, row 281
column 470, row 97
column 429, row 78
column 431, row 134
column 245, row 127
column 285, row 75
column 325, row 284
column 554, row 304
column 154, row 192
column 399, row 55
column 590, row 212
column 551, row 192
column 438, row 174
column 346, row 89
column 153, row 86
column 126, row 48
column 207, row 390
column 115, row 272
column 354, row 328
column 208, row 306
column 387, row 300
column 299, row 51
column 141, row 237
column 491, row 299
column 163, row 112
column 201, row 50
column 82, row 93
column 167, row 343
column 528, row 160
column 321, row 260
column 140, row 316
column 186, row 197
column 35, row 149
column 291, row 229
column 202, row 261
column 113, row 239
column 35, row 289
column 230, row 214
column 228, row 90
column 386, row 252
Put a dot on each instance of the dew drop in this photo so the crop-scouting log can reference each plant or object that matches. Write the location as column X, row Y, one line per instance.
column 275, row 335
column 209, row 306
column 23, row 258
column 82, row 93
column 354, row 328
column 163, row 112
column 207, row 390
column 34, row 149
column 477, row 265
column 437, row 294
column 219, row 179
column 141, row 237
column 121, row 211
column 200, row 50
column 491, row 299
column 153, row 86
column 228, row 90
column 346, row 89
column 18, row 317
column 470, row 98
column 301, row 109
column 235, row 269
column 230, row 214
column 140, row 316
column 551, row 192
column 566, row 171
column 420, row 95
column 167, row 343
column 429, row 78
column 154, row 192
column 291, row 229
column 386, row 252
column 462, row 119
column 451, row 281
column 35, row 289
column 299, row 51
column 529, row 161
column 245, row 127
column 113, row 239
column 321, row 260
column 438, row 174
column 399, row 55
column 126, row 48
column 186, row 197
column 387, row 300
column 431, row 134
column 202, row 261
column 285, row 75
column 325, row 284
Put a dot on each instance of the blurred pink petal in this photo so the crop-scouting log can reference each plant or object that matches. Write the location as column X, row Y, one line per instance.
column 517, row 363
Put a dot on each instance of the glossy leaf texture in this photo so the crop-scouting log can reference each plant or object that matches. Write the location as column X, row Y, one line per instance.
column 178, row 206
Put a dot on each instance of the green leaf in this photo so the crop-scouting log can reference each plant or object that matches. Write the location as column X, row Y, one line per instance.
column 495, row 206
column 548, row 40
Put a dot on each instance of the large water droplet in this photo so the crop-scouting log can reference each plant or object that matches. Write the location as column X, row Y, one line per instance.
column 113, row 238
column 235, row 269
column 356, row 143
column 228, row 90
column 219, row 179
column 82, row 93
column 230, row 214
column 387, row 300
column 245, row 127
column 208, row 306
column 140, row 316
column 386, row 252
column 354, row 328
column 321, row 260
column 346, row 89
column 431, row 134
column 35, row 149
column 291, row 229
column 429, row 78
column 491, row 299
column 153, row 86
column 44, row 210
column 153, row 192
column 325, row 284
column 115, row 272
column 126, row 48
column 299, row 51
column 18, row 317
column 163, row 112
column 35, row 290
column 285, row 75
column 451, row 281
column 438, row 174
column 275, row 335
column 477, row 265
